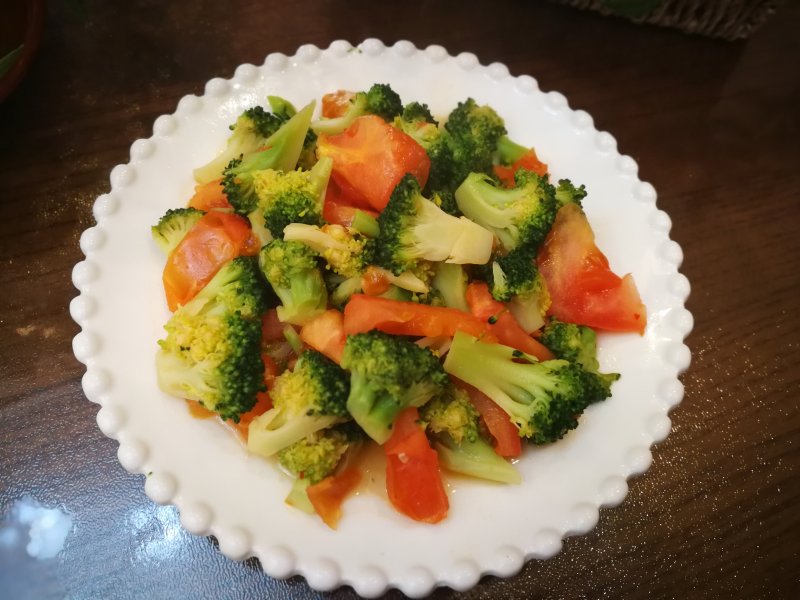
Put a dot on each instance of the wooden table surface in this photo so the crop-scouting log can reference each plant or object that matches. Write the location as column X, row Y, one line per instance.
column 714, row 126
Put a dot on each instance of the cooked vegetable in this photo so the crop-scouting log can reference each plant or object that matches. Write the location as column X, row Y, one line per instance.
column 173, row 226
column 380, row 100
column 306, row 400
column 387, row 374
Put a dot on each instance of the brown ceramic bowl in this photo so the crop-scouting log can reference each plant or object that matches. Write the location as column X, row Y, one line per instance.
column 21, row 23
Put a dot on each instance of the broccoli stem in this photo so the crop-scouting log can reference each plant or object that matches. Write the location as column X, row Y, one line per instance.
column 366, row 224
column 476, row 459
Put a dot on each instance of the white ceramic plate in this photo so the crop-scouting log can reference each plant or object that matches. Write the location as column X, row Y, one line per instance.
column 221, row 490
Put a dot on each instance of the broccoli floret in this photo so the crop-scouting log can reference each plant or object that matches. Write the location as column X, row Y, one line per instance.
column 521, row 216
column 387, row 374
column 453, row 423
column 291, row 269
column 280, row 151
column 417, row 111
column 514, row 278
column 315, row 456
column 237, row 287
column 412, row 228
column 345, row 251
column 308, row 399
column 577, row 344
column 212, row 352
column 213, row 359
column 250, row 132
column 452, row 413
column 173, row 226
column 475, row 131
column 544, row 399
column 292, row 196
column 566, row 193
column 380, row 100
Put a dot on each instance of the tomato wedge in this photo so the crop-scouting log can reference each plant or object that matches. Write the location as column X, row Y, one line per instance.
column 364, row 313
column 214, row 240
column 369, row 159
column 335, row 104
column 582, row 286
column 528, row 161
column 413, row 479
column 505, row 327
column 328, row 495
column 325, row 333
column 506, row 435
column 208, row 196
column 339, row 209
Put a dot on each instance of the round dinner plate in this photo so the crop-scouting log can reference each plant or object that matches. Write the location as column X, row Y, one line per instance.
column 219, row 489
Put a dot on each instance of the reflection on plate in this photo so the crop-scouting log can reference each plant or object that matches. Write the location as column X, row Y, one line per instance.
column 220, row 489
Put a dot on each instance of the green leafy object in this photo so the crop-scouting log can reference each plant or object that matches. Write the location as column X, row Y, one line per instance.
column 631, row 8
column 10, row 59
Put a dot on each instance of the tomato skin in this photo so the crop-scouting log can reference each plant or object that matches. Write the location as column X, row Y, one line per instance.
column 505, row 328
column 208, row 196
column 528, row 161
column 335, row 104
column 374, row 281
column 340, row 209
column 364, row 313
column 413, row 478
column 215, row 239
column 508, row 444
column 582, row 286
column 370, row 157
column 328, row 495
column 325, row 333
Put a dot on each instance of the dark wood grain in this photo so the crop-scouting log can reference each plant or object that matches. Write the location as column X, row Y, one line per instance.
column 713, row 125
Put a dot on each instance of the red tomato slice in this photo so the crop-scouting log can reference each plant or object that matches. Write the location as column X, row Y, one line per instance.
column 370, row 157
column 528, row 161
column 413, row 479
column 505, row 328
column 214, row 240
column 208, row 196
column 325, row 333
column 582, row 287
column 328, row 495
column 506, row 435
column 336, row 104
column 340, row 209
column 364, row 313
column 374, row 281
column 271, row 327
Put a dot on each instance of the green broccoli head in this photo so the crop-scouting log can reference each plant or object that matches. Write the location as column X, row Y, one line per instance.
column 292, row 196
column 380, row 100
column 417, row 112
column 237, row 287
column 173, row 226
column 475, row 131
column 317, row 455
column 567, row 193
column 345, row 251
column 544, row 399
column 306, row 400
column 256, row 129
column 453, row 414
column 453, row 423
column 214, row 359
column 387, row 374
column 519, row 217
column 577, row 344
column 292, row 269
column 280, row 151
column 414, row 229
column 514, row 278
column 508, row 151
